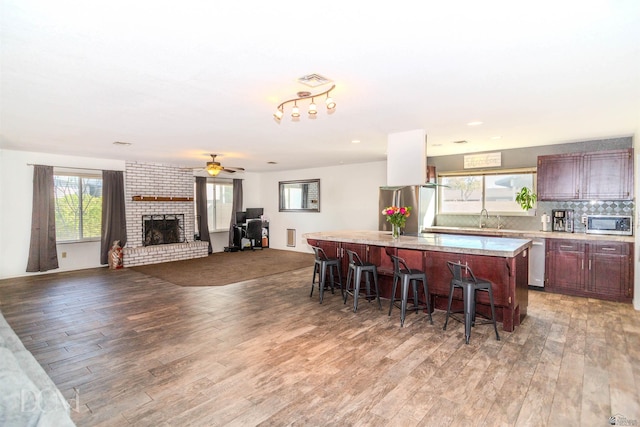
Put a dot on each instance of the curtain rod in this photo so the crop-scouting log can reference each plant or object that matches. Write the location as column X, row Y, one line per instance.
column 69, row 167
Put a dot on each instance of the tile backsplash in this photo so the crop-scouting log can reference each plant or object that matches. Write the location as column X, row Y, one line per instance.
column 582, row 207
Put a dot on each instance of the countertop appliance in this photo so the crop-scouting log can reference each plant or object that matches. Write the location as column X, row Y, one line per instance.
column 610, row 224
column 562, row 220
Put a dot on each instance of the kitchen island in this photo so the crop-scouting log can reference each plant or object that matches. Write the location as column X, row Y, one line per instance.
column 504, row 261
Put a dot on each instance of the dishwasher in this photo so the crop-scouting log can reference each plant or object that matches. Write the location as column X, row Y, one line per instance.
column 536, row 263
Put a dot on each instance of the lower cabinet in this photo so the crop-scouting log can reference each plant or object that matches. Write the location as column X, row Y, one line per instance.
column 598, row 269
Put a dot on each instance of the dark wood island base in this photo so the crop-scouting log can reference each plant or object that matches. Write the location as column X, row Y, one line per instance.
column 503, row 261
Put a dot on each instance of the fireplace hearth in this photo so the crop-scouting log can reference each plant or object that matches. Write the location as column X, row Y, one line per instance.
column 162, row 229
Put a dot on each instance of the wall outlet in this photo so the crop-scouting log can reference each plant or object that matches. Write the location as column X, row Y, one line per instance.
column 583, row 219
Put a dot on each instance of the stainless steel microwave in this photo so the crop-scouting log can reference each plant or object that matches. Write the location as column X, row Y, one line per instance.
column 610, row 224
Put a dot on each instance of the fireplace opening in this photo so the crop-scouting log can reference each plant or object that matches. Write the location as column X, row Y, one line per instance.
column 162, row 229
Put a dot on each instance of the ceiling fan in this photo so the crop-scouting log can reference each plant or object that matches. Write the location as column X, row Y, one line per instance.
column 214, row 168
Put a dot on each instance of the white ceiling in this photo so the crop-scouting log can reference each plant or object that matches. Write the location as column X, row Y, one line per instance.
column 179, row 80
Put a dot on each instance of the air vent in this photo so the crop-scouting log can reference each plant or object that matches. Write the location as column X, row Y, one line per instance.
column 314, row 80
column 291, row 237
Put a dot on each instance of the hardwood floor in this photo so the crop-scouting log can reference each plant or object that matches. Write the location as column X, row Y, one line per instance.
column 129, row 349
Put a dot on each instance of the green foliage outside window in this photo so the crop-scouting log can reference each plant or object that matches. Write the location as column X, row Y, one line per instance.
column 78, row 206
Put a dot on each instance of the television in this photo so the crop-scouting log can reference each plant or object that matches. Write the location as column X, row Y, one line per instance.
column 254, row 213
column 241, row 217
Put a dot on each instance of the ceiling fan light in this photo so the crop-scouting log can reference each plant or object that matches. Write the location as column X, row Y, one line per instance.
column 213, row 171
column 331, row 104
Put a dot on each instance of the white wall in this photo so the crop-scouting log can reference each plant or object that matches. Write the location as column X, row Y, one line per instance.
column 348, row 201
column 16, row 193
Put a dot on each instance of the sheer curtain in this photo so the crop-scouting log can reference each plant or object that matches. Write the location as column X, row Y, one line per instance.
column 42, row 249
column 201, row 210
column 236, row 207
column 114, row 223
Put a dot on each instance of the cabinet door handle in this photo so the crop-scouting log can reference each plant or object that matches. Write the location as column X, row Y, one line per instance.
column 565, row 246
column 589, row 265
column 582, row 267
column 608, row 249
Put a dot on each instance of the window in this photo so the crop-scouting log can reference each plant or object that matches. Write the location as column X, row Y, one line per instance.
column 78, row 204
column 219, row 205
column 495, row 192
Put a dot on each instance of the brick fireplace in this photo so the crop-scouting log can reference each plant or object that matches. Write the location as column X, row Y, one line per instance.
column 158, row 190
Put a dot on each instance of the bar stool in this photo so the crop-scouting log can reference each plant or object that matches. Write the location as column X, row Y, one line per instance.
column 464, row 278
column 355, row 271
column 405, row 275
column 321, row 265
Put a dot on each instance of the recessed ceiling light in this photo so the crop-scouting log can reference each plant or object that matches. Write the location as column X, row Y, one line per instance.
column 476, row 123
column 355, row 141
column 462, row 141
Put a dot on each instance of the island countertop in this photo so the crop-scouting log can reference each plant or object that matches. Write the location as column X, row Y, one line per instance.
column 456, row 243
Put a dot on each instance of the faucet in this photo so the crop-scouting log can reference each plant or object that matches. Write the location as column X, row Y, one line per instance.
column 481, row 224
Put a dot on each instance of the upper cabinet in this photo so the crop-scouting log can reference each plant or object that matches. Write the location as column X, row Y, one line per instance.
column 559, row 177
column 603, row 175
column 608, row 175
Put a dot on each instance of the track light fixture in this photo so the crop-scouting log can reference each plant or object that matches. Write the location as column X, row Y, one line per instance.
column 313, row 109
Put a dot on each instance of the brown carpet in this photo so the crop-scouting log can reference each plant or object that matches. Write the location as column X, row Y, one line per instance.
column 223, row 268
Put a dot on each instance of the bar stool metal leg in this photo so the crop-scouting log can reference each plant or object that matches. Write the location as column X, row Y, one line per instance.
column 493, row 314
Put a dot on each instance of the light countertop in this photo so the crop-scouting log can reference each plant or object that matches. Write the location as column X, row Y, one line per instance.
column 529, row 234
column 441, row 242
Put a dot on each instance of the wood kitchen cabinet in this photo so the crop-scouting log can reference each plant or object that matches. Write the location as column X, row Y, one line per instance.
column 596, row 269
column 604, row 175
column 559, row 177
column 608, row 175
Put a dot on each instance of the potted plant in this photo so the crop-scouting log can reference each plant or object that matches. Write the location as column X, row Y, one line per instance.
column 526, row 198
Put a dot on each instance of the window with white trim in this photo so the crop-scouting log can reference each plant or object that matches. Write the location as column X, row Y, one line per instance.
column 468, row 193
column 78, row 207
column 219, row 205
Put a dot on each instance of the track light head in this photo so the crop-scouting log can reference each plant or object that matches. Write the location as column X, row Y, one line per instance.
column 331, row 104
column 313, row 109
column 295, row 111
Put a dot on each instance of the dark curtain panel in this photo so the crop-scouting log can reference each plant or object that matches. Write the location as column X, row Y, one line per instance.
column 201, row 210
column 114, row 223
column 237, row 206
column 305, row 196
column 42, row 249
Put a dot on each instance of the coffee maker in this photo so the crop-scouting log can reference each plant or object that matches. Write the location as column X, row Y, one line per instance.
column 562, row 220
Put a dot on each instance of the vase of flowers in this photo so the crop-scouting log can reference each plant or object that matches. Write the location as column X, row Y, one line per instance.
column 397, row 216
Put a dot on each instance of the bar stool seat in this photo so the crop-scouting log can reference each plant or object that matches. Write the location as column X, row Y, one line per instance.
column 464, row 278
column 354, row 276
column 405, row 275
column 322, row 264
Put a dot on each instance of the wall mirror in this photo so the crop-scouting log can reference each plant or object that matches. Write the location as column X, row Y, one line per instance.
column 300, row 196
